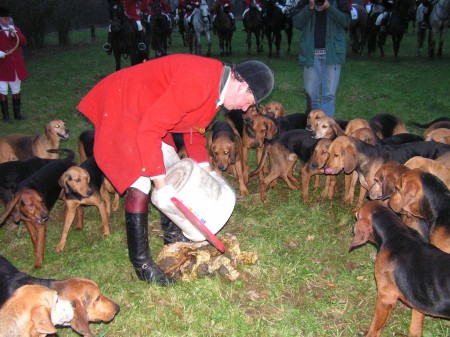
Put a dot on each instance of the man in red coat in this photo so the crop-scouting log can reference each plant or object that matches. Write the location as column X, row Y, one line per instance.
column 12, row 66
column 136, row 110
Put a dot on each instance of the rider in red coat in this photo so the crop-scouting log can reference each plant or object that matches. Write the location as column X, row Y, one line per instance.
column 130, row 10
column 258, row 4
column 136, row 110
column 226, row 6
column 12, row 65
column 148, row 8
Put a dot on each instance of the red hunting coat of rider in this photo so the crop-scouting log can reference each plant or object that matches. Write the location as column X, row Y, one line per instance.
column 135, row 108
column 13, row 62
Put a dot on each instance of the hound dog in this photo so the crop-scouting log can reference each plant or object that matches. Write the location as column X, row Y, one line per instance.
column 423, row 195
column 283, row 153
column 34, row 199
column 440, row 135
column 438, row 123
column 368, row 136
column 315, row 167
column 274, row 109
column 86, row 150
column 225, row 152
column 326, row 127
column 20, row 147
column 349, row 154
column 83, row 185
column 383, row 125
column 407, row 268
column 316, row 114
column 33, row 311
column 253, row 133
column 91, row 305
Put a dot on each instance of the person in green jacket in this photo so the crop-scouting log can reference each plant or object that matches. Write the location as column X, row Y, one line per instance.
column 323, row 47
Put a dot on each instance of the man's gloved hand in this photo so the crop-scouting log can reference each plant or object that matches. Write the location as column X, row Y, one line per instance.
column 12, row 29
column 2, row 54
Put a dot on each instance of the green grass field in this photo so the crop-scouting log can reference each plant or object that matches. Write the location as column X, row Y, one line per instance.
column 305, row 282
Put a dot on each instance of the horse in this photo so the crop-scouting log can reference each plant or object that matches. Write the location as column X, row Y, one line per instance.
column 439, row 21
column 159, row 29
column 396, row 27
column 253, row 23
column 274, row 22
column 180, row 24
column 224, row 28
column 124, row 38
column 357, row 29
column 201, row 26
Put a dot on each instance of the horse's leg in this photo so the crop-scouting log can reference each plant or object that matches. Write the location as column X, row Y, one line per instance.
column 208, row 38
column 431, row 43
column 277, row 43
column 441, row 43
column 269, row 41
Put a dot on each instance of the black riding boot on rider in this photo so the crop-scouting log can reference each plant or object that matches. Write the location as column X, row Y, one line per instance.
column 136, row 220
column 16, row 107
column 107, row 46
column 4, row 107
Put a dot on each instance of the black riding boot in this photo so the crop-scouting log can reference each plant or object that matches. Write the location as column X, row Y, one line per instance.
column 4, row 107
column 16, row 107
column 136, row 220
column 141, row 44
column 171, row 232
column 107, row 46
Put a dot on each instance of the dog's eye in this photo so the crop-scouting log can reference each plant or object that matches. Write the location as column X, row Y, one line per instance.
column 226, row 152
column 78, row 180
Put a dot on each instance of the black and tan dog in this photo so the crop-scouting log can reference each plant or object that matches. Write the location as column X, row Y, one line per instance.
column 20, row 147
column 90, row 303
column 349, row 154
column 407, row 268
column 423, row 195
column 225, row 154
column 35, row 198
column 83, row 185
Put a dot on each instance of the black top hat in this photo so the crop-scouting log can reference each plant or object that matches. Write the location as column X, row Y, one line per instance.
column 258, row 76
column 4, row 12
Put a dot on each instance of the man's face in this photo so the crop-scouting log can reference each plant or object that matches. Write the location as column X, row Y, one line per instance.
column 238, row 98
column 5, row 20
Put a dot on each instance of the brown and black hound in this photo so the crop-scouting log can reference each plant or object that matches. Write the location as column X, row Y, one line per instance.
column 274, row 109
column 34, row 199
column 83, row 185
column 225, row 152
column 438, row 123
column 423, row 195
column 19, row 147
column 407, row 268
column 349, row 154
column 91, row 305
column 34, row 311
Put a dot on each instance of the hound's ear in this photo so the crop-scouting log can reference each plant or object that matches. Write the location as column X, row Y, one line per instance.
column 62, row 181
column 362, row 233
column 11, row 209
column 337, row 130
column 350, row 159
column 233, row 154
column 48, row 131
column 40, row 316
column 271, row 129
column 80, row 321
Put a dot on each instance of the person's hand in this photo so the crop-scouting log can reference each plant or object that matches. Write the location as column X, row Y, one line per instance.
column 325, row 5
column 11, row 29
column 312, row 4
column 2, row 54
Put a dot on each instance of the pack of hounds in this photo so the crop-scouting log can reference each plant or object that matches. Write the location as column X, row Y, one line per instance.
column 406, row 176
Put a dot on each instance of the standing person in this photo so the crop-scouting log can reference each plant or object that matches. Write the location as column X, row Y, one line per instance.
column 136, row 110
column 323, row 47
column 12, row 65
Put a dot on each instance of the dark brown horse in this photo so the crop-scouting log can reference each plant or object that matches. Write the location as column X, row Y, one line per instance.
column 159, row 30
column 396, row 27
column 124, row 38
column 274, row 23
column 224, row 28
column 358, row 29
column 253, row 24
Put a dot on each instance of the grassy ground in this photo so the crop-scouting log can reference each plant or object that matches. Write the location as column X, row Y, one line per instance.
column 305, row 282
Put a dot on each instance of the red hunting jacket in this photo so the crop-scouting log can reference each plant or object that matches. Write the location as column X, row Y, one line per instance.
column 135, row 108
column 13, row 62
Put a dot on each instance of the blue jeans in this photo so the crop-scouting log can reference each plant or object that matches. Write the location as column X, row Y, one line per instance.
column 325, row 77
